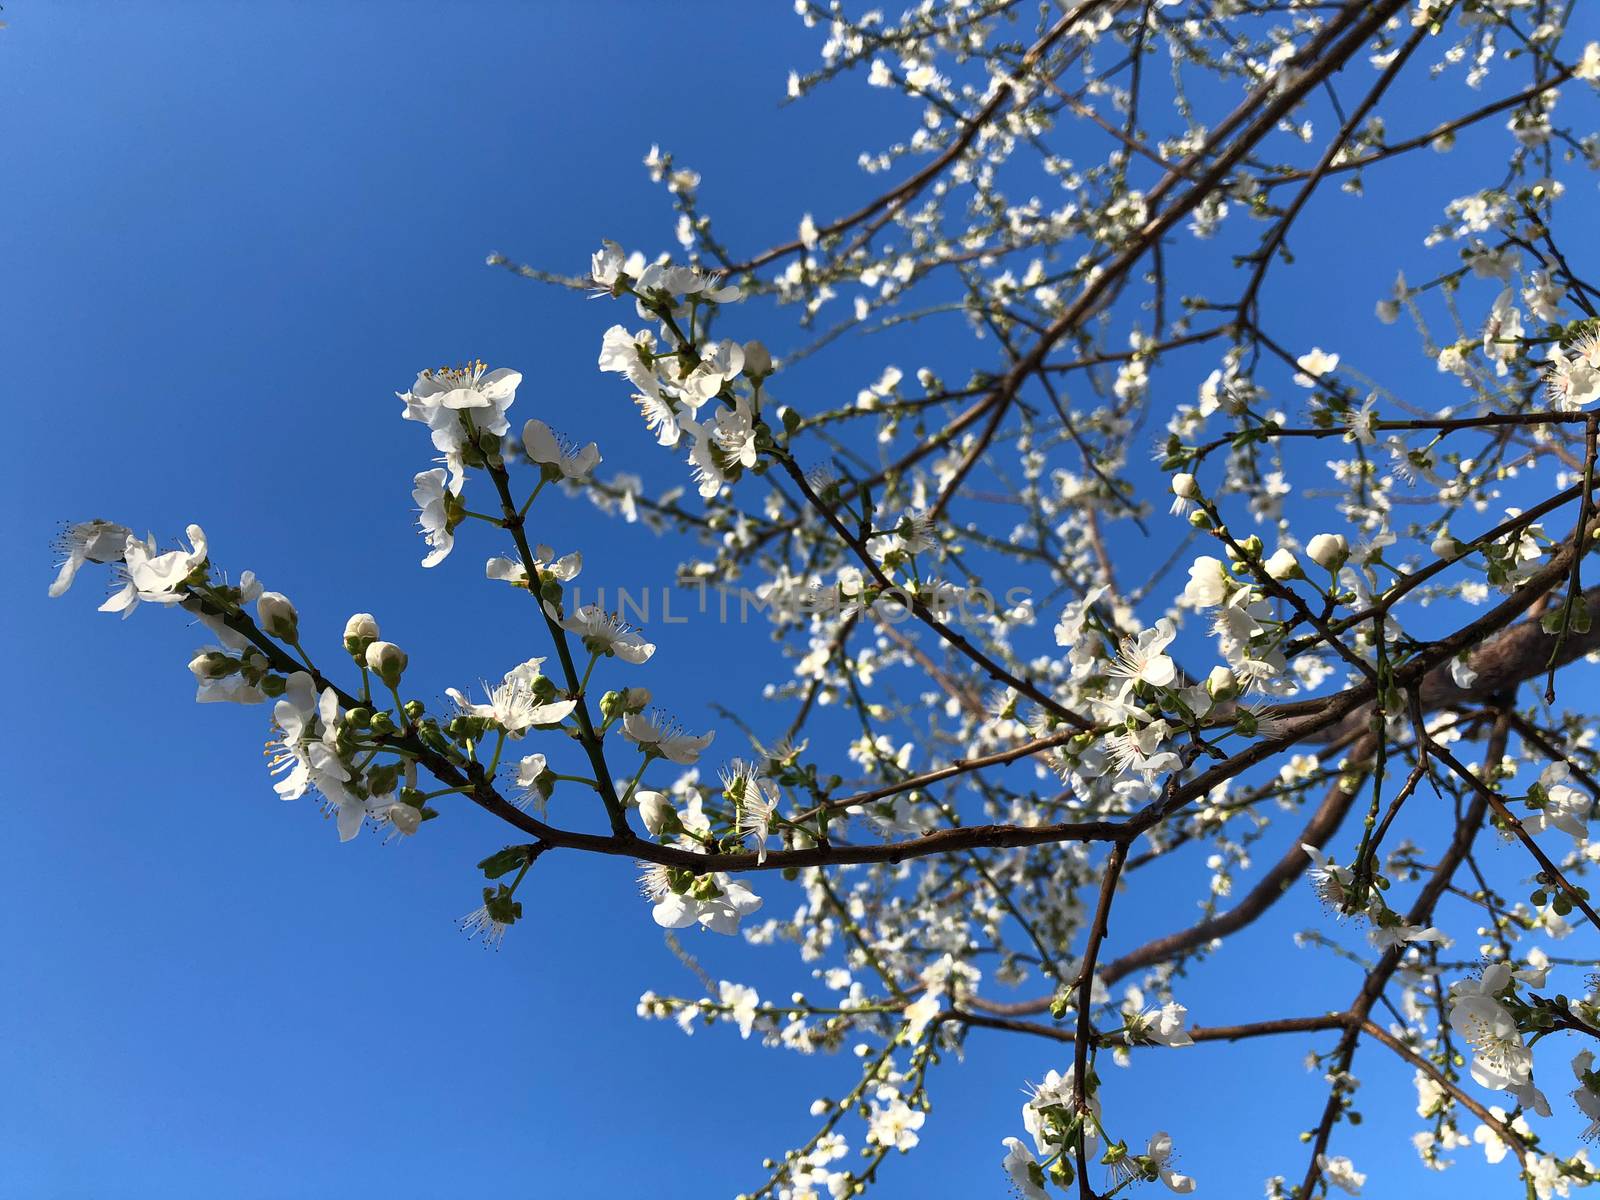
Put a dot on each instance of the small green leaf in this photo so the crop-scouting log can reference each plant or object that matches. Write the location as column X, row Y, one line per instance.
column 503, row 862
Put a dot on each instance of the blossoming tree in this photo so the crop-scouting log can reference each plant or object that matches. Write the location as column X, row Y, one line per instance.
column 1033, row 732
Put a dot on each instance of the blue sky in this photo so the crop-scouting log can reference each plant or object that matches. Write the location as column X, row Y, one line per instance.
column 232, row 232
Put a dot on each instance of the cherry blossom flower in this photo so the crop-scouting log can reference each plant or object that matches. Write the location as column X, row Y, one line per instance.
column 607, row 635
column 1341, row 1173
column 512, row 571
column 721, row 446
column 156, row 578
column 1139, row 749
column 756, row 799
column 1358, row 426
column 625, row 354
column 1500, row 1058
column 1162, row 1026
column 1587, row 67
column 1387, row 937
column 658, row 734
column 535, row 783
column 719, row 365
column 1495, row 1148
column 517, row 703
column 1330, row 881
column 1209, row 584
column 445, row 399
column 550, row 449
column 1024, row 1171
column 438, row 513
column 611, row 265
column 1574, row 382
column 1050, row 1106
column 715, row 902
column 308, row 755
column 1547, row 1177
column 1313, row 365
column 1185, row 491
column 743, row 1003
column 491, row 920
column 1537, row 970
column 893, row 1122
column 1142, row 660
column 1587, row 1094
column 1159, row 1152
column 1559, row 805
column 1069, row 630
column 90, row 541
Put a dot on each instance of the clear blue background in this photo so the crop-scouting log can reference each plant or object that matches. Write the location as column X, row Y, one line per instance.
column 229, row 233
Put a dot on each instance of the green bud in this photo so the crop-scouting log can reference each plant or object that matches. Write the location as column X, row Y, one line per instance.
column 360, row 631
column 387, row 661
column 381, row 780
column 1222, row 684
column 212, row 665
column 1251, row 548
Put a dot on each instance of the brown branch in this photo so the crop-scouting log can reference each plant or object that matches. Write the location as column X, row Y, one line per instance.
column 1551, row 873
column 1280, row 228
column 1271, row 888
column 1085, row 989
column 1259, row 114
column 1377, row 979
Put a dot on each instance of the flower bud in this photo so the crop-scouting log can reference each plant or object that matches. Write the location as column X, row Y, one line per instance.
column 1328, row 550
column 382, row 779
column 757, row 359
column 1250, row 547
column 657, row 813
column 360, row 631
column 1282, row 565
column 1222, row 684
column 628, row 700
column 387, row 661
column 1184, row 487
column 278, row 617
column 209, row 664
column 1447, row 547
